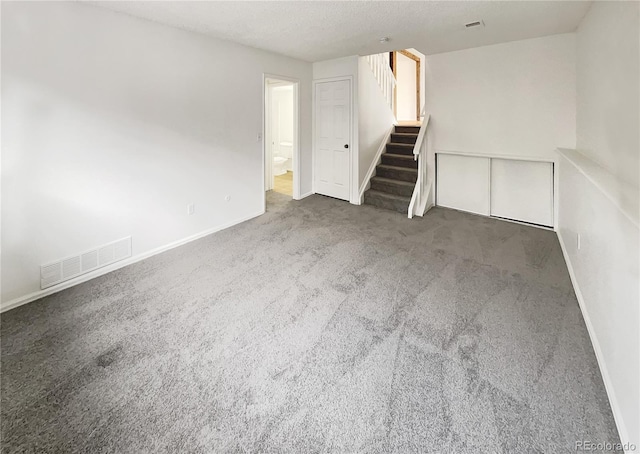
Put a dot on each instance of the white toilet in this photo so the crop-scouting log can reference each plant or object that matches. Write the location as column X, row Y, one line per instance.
column 279, row 165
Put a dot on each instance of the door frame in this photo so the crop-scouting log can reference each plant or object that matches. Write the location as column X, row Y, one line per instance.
column 394, row 67
column 269, row 87
column 415, row 58
column 296, row 133
column 354, row 197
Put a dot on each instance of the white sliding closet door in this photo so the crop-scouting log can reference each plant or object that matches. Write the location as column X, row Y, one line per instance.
column 522, row 190
column 463, row 183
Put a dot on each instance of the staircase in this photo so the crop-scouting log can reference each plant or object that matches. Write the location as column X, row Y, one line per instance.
column 396, row 176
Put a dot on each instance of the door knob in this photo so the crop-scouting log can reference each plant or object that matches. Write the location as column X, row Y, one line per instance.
column 346, row 145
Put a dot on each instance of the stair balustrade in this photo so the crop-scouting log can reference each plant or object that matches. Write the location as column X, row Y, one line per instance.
column 379, row 64
column 420, row 195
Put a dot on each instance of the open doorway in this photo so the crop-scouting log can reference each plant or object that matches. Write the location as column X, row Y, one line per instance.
column 406, row 66
column 281, row 144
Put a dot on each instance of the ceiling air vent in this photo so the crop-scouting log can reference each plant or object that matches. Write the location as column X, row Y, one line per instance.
column 477, row 23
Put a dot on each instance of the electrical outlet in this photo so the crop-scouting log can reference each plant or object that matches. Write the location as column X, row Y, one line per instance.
column 191, row 209
column 578, row 241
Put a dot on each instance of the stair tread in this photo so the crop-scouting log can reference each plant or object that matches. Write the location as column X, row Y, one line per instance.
column 404, row 145
column 408, row 157
column 386, row 195
column 403, row 169
column 392, row 181
column 406, row 134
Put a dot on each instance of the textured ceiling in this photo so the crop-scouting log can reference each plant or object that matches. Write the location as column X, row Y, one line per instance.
column 321, row 30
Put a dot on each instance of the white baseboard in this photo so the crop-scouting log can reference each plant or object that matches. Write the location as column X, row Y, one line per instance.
column 426, row 210
column 306, row 194
column 426, row 205
column 513, row 221
column 107, row 269
column 608, row 385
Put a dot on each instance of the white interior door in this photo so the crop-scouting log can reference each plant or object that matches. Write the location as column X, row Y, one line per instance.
column 522, row 190
column 332, row 139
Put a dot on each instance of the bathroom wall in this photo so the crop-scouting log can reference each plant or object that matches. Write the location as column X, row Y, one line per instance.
column 282, row 118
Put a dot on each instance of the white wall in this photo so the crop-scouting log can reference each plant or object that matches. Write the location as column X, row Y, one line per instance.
column 423, row 66
column 601, row 203
column 515, row 98
column 608, row 88
column 339, row 67
column 375, row 118
column 406, row 88
column 605, row 272
column 112, row 125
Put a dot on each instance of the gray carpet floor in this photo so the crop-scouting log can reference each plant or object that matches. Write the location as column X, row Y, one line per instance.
column 317, row 327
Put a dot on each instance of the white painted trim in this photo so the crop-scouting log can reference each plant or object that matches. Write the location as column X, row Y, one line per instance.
column 496, row 156
column 374, row 163
column 121, row 264
column 313, row 137
column 296, row 133
column 608, row 385
column 552, row 197
column 263, row 102
column 512, row 221
column 266, row 138
column 424, row 203
column 296, row 141
column 556, row 195
column 0, row 167
column 419, row 192
column 623, row 195
column 490, row 184
column 352, row 155
column 306, row 194
column 526, row 224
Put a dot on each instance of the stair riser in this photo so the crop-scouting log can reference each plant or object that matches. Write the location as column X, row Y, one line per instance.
column 396, row 138
column 397, row 174
column 391, row 160
column 390, row 188
column 395, row 149
column 401, row 207
column 408, row 129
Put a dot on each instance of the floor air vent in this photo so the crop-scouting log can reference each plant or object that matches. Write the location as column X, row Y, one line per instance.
column 70, row 267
